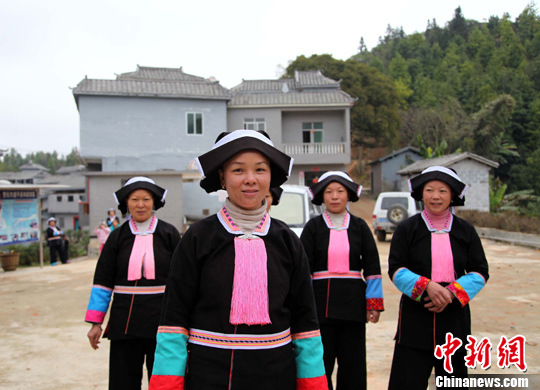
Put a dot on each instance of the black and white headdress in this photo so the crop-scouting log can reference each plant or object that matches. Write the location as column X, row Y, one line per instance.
column 138, row 183
column 228, row 144
column 316, row 191
column 446, row 175
column 276, row 193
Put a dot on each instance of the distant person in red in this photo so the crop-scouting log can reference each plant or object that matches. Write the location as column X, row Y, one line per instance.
column 102, row 232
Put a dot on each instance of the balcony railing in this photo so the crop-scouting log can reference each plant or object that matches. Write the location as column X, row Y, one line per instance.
column 315, row 148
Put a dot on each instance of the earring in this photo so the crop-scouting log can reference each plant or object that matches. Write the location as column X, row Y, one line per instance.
column 223, row 187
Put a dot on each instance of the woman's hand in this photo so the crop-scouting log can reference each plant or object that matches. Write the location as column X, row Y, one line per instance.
column 438, row 297
column 94, row 335
column 373, row 316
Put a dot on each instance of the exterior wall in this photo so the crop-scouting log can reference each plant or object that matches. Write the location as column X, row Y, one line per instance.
column 376, row 179
column 476, row 175
column 64, row 206
column 101, row 198
column 334, row 126
column 336, row 130
column 146, row 134
column 272, row 118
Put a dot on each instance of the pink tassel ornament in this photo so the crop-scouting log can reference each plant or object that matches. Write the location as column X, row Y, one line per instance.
column 249, row 302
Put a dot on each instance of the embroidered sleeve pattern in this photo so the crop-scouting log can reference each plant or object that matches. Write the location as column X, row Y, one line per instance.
column 100, row 297
column 374, row 293
column 419, row 288
column 308, row 353
column 170, row 359
column 410, row 284
column 466, row 287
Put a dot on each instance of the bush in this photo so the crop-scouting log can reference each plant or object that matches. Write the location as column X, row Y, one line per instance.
column 29, row 252
column 507, row 220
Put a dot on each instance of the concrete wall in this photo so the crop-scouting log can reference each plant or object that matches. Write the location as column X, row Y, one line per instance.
column 334, row 126
column 146, row 134
column 64, row 205
column 272, row 118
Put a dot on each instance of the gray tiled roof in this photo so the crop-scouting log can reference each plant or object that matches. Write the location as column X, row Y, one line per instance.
column 313, row 78
column 155, row 82
column 329, row 98
column 308, row 88
column 262, row 86
column 163, row 74
column 445, row 161
column 396, row 153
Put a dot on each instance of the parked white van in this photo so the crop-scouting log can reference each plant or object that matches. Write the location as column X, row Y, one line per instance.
column 390, row 209
column 295, row 207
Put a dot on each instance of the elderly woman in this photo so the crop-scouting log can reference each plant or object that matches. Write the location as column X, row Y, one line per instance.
column 437, row 261
column 239, row 296
column 346, row 274
column 133, row 266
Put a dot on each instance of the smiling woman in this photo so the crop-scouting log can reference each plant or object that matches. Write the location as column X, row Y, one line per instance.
column 131, row 272
column 246, row 177
column 239, row 297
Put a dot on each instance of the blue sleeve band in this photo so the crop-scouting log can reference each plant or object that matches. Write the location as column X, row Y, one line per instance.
column 374, row 288
column 99, row 299
column 308, row 353
column 405, row 281
column 472, row 283
column 171, row 354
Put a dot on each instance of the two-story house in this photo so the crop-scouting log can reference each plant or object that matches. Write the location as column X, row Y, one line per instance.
column 155, row 121
column 149, row 120
column 307, row 117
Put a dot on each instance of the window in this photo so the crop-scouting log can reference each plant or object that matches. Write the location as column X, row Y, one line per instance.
column 254, row 124
column 70, row 198
column 194, row 123
column 59, row 198
column 312, row 132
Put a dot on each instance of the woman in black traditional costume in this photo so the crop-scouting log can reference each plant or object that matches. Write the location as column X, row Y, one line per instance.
column 346, row 275
column 133, row 265
column 437, row 261
column 239, row 296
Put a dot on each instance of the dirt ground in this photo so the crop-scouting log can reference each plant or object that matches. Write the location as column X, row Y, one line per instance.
column 43, row 340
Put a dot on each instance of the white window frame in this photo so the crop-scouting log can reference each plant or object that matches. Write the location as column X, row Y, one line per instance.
column 255, row 124
column 194, row 114
column 311, row 131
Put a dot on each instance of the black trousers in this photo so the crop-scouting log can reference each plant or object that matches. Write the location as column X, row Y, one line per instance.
column 411, row 367
column 57, row 246
column 126, row 362
column 346, row 342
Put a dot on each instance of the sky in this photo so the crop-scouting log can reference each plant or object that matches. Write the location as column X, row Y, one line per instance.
column 48, row 47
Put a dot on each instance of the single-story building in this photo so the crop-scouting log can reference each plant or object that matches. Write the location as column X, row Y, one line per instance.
column 384, row 175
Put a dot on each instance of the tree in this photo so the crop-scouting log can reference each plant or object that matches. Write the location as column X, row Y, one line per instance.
column 374, row 116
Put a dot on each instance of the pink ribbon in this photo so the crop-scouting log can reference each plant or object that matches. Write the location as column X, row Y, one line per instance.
column 338, row 251
column 141, row 260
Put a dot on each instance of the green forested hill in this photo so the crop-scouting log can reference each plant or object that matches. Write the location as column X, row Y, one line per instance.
column 468, row 86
